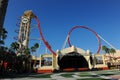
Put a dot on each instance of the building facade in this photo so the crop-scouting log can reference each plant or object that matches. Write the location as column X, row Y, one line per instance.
column 3, row 9
column 71, row 59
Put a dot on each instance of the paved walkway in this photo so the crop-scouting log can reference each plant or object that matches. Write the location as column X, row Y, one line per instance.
column 76, row 75
column 88, row 75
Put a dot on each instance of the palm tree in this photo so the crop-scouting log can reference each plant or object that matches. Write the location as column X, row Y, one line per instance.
column 106, row 49
column 36, row 45
column 14, row 46
column 112, row 51
column 34, row 49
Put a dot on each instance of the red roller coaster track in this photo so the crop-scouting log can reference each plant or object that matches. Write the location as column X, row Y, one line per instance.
column 98, row 38
column 49, row 47
column 43, row 39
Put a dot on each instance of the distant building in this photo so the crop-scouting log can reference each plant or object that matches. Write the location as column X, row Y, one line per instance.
column 113, row 58
column 3, row 8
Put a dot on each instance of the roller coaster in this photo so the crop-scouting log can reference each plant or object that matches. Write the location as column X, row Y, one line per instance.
column 23, row 40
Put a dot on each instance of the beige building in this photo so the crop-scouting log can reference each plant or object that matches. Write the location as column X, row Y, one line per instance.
column 71, row 58
column 113, row 58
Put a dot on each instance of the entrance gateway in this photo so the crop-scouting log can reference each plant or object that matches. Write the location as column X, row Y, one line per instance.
column 71, row 59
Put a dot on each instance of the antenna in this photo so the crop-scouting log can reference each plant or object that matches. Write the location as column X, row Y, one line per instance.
column 65, row 42
column 106, row 42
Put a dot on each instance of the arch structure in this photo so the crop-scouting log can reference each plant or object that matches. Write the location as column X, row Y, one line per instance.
column 73, row 57
column 75, row 27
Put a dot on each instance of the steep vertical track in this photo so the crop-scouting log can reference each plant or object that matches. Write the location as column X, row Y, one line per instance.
column 43, row 39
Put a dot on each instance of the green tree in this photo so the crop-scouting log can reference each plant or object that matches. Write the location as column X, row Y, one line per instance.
column 35, row 47
column 106, row 49
column 112, row 51
column 14, row 46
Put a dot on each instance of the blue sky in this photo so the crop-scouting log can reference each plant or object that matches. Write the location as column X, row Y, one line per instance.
column 57, row 17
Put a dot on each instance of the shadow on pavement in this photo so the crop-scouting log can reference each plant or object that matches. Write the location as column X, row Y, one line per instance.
column 23, row 75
